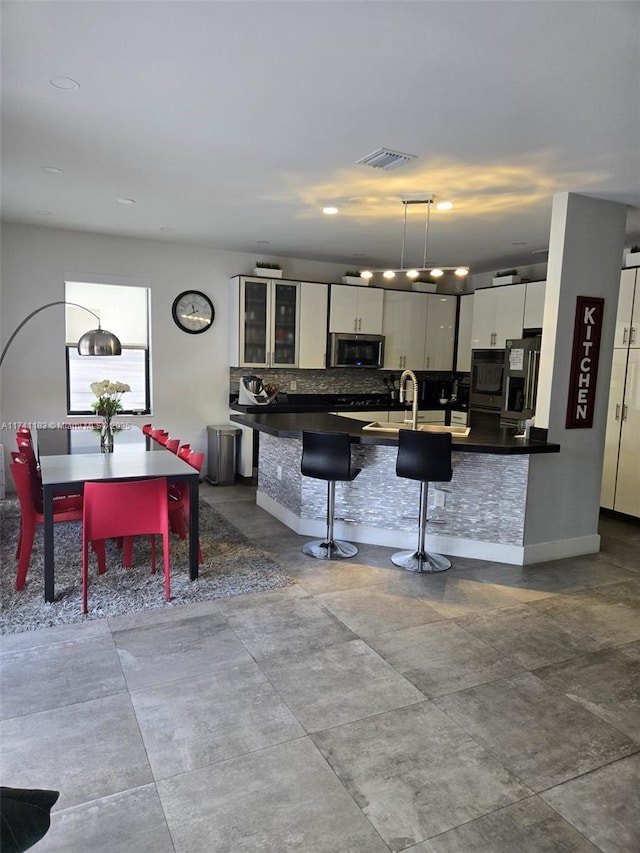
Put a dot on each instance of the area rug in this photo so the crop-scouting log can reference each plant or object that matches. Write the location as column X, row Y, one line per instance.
column 231, row 566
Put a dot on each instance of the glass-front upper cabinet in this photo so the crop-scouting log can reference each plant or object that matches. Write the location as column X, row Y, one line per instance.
column 255, row 305
column 268, row 323
column 285, row 324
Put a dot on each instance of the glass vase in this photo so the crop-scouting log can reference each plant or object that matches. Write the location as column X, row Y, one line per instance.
column 106, row 436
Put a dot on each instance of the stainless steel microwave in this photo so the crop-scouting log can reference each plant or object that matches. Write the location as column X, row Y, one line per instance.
column 348, row 350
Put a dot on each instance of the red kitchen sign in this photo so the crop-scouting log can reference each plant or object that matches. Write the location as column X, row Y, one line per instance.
column 587, row 331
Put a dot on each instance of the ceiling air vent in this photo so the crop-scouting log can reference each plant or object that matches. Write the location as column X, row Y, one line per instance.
column 385, row 158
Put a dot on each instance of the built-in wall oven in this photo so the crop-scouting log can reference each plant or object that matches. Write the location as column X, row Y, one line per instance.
column 486, row 382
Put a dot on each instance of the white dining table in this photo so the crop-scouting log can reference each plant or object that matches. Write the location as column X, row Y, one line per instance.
column 77, row 462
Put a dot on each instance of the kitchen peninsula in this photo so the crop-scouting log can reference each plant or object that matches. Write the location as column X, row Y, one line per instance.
column 481, row 513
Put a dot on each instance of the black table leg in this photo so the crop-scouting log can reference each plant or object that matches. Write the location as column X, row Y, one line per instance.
column 49, row 577
column 194, row 527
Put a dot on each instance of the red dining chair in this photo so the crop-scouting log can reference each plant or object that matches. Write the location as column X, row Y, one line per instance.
column 64, row 509
column 179, row 504
column 159, row 435
column 125, row 509
column 173, row 445
column 184, row 451
column 147, row 428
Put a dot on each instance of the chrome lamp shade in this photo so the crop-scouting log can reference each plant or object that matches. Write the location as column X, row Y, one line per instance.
column 99, row 342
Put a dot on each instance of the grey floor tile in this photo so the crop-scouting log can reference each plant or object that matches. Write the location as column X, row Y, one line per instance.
column 288, row 623
column 606, row 683
column 415, row 773
column 167, row 650
column 555, row 577
column 454, row 596
column 337, row 684
column 202, row 720
column 85, row 751
column 539, row 734
column 529, row 825
column 441, row 657
column 67, row 673
column 284, row 798
column 57, row 634
column 169, row 612
column 622, row 553
column 528, row 636
column 338, row 575
column 132, row 821
column 609, row 621
column 625, row 591
column 603, row 805
column 370, row 611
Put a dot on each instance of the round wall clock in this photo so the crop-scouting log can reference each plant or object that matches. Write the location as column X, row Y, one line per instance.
column 193, row 312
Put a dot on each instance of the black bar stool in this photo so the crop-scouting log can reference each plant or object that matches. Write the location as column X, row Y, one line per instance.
column 327, row 456
column 423, row 456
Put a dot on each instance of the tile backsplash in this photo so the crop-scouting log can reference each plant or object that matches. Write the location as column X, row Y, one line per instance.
column 332, row 381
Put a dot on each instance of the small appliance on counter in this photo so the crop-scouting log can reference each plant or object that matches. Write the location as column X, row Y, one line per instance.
column 253, row 392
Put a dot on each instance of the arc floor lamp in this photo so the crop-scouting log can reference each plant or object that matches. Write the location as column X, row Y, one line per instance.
column 95, row 342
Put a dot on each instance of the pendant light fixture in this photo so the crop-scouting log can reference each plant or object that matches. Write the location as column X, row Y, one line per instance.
column 413, row 273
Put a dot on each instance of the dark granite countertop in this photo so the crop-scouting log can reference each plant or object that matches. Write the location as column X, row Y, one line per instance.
column 482, row 439
column 287, row 403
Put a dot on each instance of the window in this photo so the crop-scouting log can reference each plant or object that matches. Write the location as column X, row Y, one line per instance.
column 123, row 310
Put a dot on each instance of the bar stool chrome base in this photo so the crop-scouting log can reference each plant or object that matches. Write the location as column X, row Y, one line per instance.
column 334, row 550
column 420, row 561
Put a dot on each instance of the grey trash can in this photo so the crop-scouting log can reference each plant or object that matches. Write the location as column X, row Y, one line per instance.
column 222, row 446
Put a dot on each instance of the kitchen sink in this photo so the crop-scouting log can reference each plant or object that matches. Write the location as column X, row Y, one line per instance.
column 390, row 426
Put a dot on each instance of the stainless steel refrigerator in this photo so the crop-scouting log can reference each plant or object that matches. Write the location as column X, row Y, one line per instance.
column 521, row 364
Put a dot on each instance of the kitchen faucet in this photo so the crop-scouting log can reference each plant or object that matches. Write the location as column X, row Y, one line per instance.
column 409, row 374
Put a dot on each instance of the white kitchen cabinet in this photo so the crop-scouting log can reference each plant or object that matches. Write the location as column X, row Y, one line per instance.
column 465, row 320
column 534, row 304
column 265, row 316
column 356, row 309
column 627, row 496
column 404, row 324
column 441, row 332
column 498, row 314
column 621, row 467
column 312, row 348
column 425, row 416
column 275, row 323
column 460, row 418
column 628, row 315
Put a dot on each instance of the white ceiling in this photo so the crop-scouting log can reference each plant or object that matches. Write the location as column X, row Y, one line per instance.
column 236, row 122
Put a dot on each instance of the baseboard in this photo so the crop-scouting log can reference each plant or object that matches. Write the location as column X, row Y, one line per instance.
column 542, row 552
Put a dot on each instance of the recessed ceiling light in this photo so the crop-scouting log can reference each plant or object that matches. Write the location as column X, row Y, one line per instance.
column 166, row 228
column 330, row 211
column 444, row 205
column 519, row 243
column 52, row 170
column 388, row 274
column 436, row 273
column 126, row 201
column 64, row 83
column 44, row 213
column 263, row 242
column 461, row 272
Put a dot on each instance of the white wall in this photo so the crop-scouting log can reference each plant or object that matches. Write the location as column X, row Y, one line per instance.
column 190, row 373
